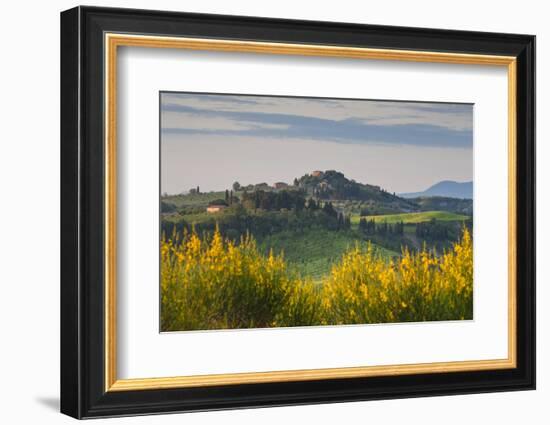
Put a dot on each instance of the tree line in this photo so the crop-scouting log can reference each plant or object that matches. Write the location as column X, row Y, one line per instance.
column 370, row 227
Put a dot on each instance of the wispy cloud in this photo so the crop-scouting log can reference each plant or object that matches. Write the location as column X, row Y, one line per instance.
column 342, row 121
column 204, row 122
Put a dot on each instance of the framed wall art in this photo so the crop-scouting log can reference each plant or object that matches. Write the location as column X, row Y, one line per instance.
column 261, row 212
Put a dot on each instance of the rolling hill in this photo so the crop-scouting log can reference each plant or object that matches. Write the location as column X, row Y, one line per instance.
column 331, row 185
column 441, row 203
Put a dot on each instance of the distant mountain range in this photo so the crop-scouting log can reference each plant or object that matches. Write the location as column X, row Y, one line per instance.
column 447, row 188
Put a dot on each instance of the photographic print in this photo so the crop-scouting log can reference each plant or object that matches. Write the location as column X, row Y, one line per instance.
column 301, row 211
column 316, row 208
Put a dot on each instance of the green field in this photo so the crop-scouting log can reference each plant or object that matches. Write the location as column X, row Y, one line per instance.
column 416, row 217
column 313, row 252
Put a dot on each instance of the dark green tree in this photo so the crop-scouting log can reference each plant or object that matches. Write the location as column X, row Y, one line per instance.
column 340, row 222
column 312, row 205
column 347, row 222
column 382, row 229
column 328, row 209
column 400, row 228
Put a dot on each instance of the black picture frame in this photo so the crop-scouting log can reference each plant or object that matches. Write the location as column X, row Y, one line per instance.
column 83, row 392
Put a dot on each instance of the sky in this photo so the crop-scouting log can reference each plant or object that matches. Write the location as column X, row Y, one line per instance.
column 213, row 140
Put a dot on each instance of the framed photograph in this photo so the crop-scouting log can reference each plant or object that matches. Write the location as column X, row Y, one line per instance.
column 261, row 212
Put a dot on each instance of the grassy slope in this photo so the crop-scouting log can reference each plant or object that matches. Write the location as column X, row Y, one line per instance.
column 191, row 218
column 414, row 217
column 194, row 200
column 314, row 251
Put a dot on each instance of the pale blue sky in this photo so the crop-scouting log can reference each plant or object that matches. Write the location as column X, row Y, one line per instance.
column 213, row 140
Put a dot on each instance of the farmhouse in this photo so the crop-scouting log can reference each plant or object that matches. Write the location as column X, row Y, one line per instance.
column 211, row 209
column 280, row 185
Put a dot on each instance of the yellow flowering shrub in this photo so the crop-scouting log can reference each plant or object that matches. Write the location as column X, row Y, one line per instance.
column 213, row 283
column 365, row 288
column 217, row 284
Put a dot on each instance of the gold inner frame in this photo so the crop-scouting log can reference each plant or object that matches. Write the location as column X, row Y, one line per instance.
column 113, row 41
